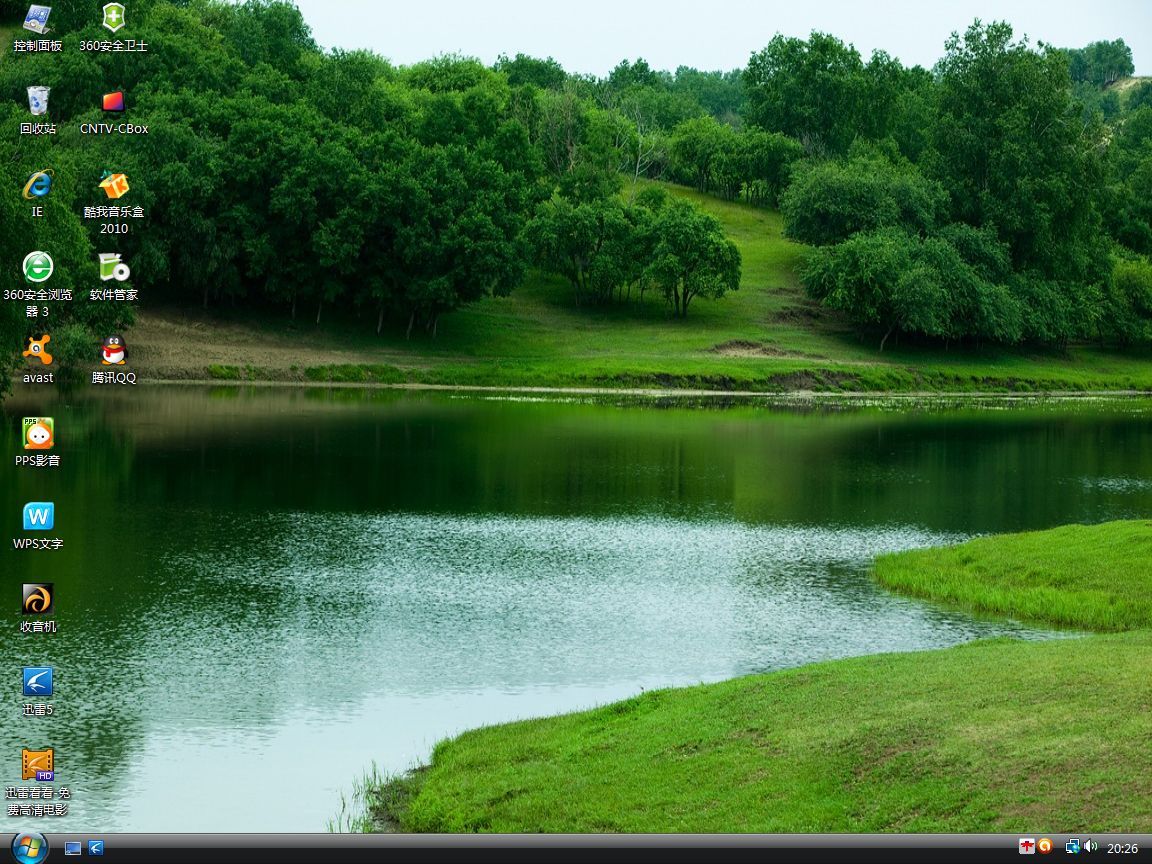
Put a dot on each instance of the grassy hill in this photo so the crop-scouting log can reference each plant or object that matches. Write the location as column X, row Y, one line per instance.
column 1126, row 85
column 1000, row 735
column 766, row 337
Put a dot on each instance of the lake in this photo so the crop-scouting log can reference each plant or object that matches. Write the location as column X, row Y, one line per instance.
column 264, row 591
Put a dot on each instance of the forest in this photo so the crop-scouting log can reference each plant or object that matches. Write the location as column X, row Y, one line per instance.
column 1003, row 196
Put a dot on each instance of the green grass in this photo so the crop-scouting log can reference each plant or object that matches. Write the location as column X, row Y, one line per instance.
column 1000, row 735
column 765, row 337
column 1092, row 577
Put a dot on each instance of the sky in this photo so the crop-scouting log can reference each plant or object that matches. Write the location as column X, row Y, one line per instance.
column 594, row 35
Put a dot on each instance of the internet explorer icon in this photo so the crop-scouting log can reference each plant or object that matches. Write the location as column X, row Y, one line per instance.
column 39, row 184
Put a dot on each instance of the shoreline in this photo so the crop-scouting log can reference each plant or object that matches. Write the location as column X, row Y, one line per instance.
column 500, row 778
column 652, row 392
column 663, row 392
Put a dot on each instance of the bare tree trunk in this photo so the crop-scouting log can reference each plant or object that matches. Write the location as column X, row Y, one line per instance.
column 380, row 320
column 886, row 335
column 319, row 309
column 293, row 305
column 435, row 324
column 411, row 321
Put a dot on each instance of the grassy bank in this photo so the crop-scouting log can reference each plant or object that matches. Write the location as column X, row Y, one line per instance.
column 993, row 736
column 765, row 337
column 1094, row 577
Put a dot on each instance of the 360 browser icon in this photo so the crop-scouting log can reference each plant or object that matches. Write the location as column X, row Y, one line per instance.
column 38, row 266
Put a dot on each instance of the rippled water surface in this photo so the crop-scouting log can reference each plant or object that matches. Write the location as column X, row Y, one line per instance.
column 261, row 593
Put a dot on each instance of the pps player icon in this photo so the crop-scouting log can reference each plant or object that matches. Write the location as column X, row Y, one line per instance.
column 112, row 351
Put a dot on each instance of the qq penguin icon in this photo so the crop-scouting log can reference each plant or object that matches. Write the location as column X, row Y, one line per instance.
column 112, row 351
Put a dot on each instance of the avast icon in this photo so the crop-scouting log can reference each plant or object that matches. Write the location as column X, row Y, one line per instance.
column 1044, row 846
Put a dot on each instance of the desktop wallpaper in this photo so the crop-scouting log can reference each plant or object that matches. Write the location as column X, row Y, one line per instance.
column 620, row 418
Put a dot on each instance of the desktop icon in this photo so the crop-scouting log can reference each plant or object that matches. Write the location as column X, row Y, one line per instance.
column 95, row 847
column 1044, row 845
column 38, row 100
column 39, row 433
column 29, row 847
column 37, row 349
column 1027, row 845
column 38, row 681
column 114, row 101
column 37, row 19
column 39, row 184
column 1072, row 847
column 38, row 266
column 111, row 267
column 39, row 516
column 112, row 351
column 114, row 185
column 38, row 765
column 72, row 847
column 39, row 598
column 114, row 16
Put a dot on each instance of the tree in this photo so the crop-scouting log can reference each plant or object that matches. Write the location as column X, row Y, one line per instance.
column 1127, row 314
column 911, row 120
column 895, row 281
column 583, row 243
column 447, row 73
column 1101, row 63
column 642, row 145
column 459, row 236
column 691, row 257
column 697, row 145
column 828, row 202
column 523, row 69
column 1014, row 154
column 1128, row 212
column 765, row 162
column 875, row 279
column 638, row 74
column 811, row 90
column 721, row 94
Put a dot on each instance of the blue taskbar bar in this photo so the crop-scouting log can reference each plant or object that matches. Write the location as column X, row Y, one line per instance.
column 32, row 847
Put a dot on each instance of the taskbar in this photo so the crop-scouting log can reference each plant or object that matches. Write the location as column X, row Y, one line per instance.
column 32, row 847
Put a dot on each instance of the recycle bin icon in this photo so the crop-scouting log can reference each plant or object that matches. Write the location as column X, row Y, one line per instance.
column 38, row 99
